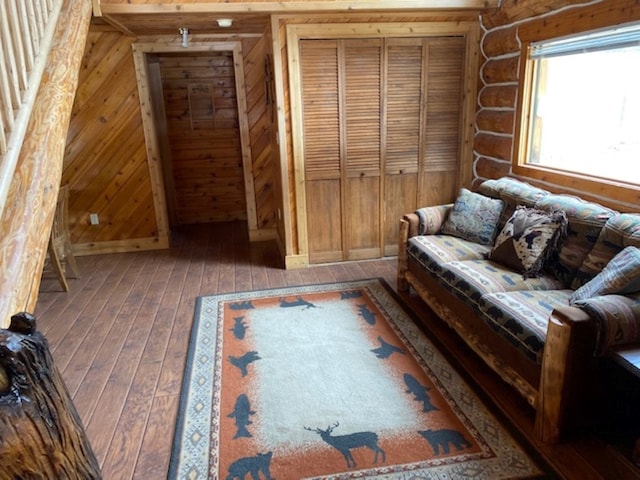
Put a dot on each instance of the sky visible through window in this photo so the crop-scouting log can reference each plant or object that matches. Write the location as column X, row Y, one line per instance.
column 586, row 114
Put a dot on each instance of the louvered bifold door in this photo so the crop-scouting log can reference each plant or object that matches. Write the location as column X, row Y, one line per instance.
column 321, row 129
column 361, row 144
column 444, row 69
column 403, row 100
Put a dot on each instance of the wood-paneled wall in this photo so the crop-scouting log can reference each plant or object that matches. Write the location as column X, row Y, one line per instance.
column 499, row 73
column 106, row 159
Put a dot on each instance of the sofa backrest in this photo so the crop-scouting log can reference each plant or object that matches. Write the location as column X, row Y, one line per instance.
column 585, row 222
column 619, row 231
column 513, row 193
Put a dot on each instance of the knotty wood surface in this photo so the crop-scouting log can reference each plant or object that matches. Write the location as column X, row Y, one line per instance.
column 119, row 338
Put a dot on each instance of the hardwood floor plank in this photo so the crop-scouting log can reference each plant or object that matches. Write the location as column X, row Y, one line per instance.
column 135, row 316
column 127, row 356
column 120, row 338
column 96, row 319
column 153, row 463
column 85, row 355
column 124, row 449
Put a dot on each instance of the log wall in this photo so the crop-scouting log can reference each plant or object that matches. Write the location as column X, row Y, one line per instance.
column 499, row 74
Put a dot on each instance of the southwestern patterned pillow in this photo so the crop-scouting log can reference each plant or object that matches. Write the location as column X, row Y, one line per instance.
column 527, row 239
column 473, row 217
column 621, row 275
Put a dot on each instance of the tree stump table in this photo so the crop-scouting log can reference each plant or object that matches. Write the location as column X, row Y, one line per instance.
column 41, row 434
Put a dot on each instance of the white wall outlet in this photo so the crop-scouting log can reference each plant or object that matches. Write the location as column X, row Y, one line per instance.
column 93, row 219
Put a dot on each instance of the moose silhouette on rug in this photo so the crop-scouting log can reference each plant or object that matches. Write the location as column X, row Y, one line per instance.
column 253, row 465
column 243, row 362
column 298, row 302
column 344, row 443
column 442, row 438
column 385, row 350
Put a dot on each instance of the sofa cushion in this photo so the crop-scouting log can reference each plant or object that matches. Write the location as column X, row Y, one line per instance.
column 620, row 276
column 471, row 279
column 522, row 317
column 585, row 220
column 620, row 231
column 432, row 251
column 513, row 192
column 617, row 316
column 473, row 217
column 527, row 238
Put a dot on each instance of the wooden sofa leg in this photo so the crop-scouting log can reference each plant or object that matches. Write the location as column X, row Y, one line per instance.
column 403, row 285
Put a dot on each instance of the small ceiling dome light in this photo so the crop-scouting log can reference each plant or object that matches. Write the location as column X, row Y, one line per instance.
column 225, row 22
column 184, row 31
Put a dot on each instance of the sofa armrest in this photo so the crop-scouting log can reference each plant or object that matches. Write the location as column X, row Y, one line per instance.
column 424, row 221
column 567, row 368
column 430, row 219
column 616, row 318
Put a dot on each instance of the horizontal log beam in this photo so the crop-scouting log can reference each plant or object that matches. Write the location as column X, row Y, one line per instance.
column 140, row 7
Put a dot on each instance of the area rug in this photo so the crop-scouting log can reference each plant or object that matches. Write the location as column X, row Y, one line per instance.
column 330, row 381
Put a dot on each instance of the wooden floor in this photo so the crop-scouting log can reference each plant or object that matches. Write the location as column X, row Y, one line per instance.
column 120, row 335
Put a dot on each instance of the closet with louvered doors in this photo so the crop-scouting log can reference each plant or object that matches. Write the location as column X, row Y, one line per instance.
column 381, row 135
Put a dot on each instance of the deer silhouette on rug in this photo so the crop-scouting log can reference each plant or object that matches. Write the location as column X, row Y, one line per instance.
column 344, row 443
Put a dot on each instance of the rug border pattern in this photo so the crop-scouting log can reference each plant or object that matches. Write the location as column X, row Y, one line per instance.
column 191, row 451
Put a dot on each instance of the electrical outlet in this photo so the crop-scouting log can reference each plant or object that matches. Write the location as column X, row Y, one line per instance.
column 93, row 219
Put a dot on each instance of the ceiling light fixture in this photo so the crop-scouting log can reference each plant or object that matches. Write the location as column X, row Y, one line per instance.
column 225, row 22
column 184, row 31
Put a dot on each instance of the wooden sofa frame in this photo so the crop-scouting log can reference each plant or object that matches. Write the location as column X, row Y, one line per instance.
column 559, row 389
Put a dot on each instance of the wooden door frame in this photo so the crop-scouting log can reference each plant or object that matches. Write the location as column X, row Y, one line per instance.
column 159, row 45
column 296, row 32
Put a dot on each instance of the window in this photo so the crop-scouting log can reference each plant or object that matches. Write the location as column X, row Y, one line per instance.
column 583, row 114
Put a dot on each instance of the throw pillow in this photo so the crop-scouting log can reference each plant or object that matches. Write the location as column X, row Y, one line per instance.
column 620, row 276
column 473, row 217
column 527, row 239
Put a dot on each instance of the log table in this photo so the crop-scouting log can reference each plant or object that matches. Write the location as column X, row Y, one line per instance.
column 41, row 435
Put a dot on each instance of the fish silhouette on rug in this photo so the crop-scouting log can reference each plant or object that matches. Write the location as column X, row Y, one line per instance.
column 239, row 328
column 419, row 392
column 241, row 412
column 367, row 314
column 385, row 350
column 244, row 361
column 442, row 438
column 253, row 465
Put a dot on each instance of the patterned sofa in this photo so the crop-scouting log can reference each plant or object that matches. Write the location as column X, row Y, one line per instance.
column 538, row 284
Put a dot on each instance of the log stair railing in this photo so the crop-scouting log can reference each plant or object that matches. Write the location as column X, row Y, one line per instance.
column 42, row 44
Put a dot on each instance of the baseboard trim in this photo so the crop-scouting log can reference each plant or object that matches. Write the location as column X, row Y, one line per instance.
column 120, row 246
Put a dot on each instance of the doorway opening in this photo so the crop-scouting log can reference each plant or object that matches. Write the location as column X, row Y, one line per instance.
column 194, row 114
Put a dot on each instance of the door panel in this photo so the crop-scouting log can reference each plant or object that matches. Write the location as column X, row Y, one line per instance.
column 202, row 125
column 324, row 221
column 382, row 129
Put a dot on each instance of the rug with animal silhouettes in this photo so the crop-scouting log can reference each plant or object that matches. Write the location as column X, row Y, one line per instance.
column 329, row 381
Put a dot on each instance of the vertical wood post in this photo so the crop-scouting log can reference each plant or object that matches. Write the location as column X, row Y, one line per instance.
column 41, row 434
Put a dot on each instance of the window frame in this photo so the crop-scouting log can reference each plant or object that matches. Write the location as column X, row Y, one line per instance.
column 616, row 190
